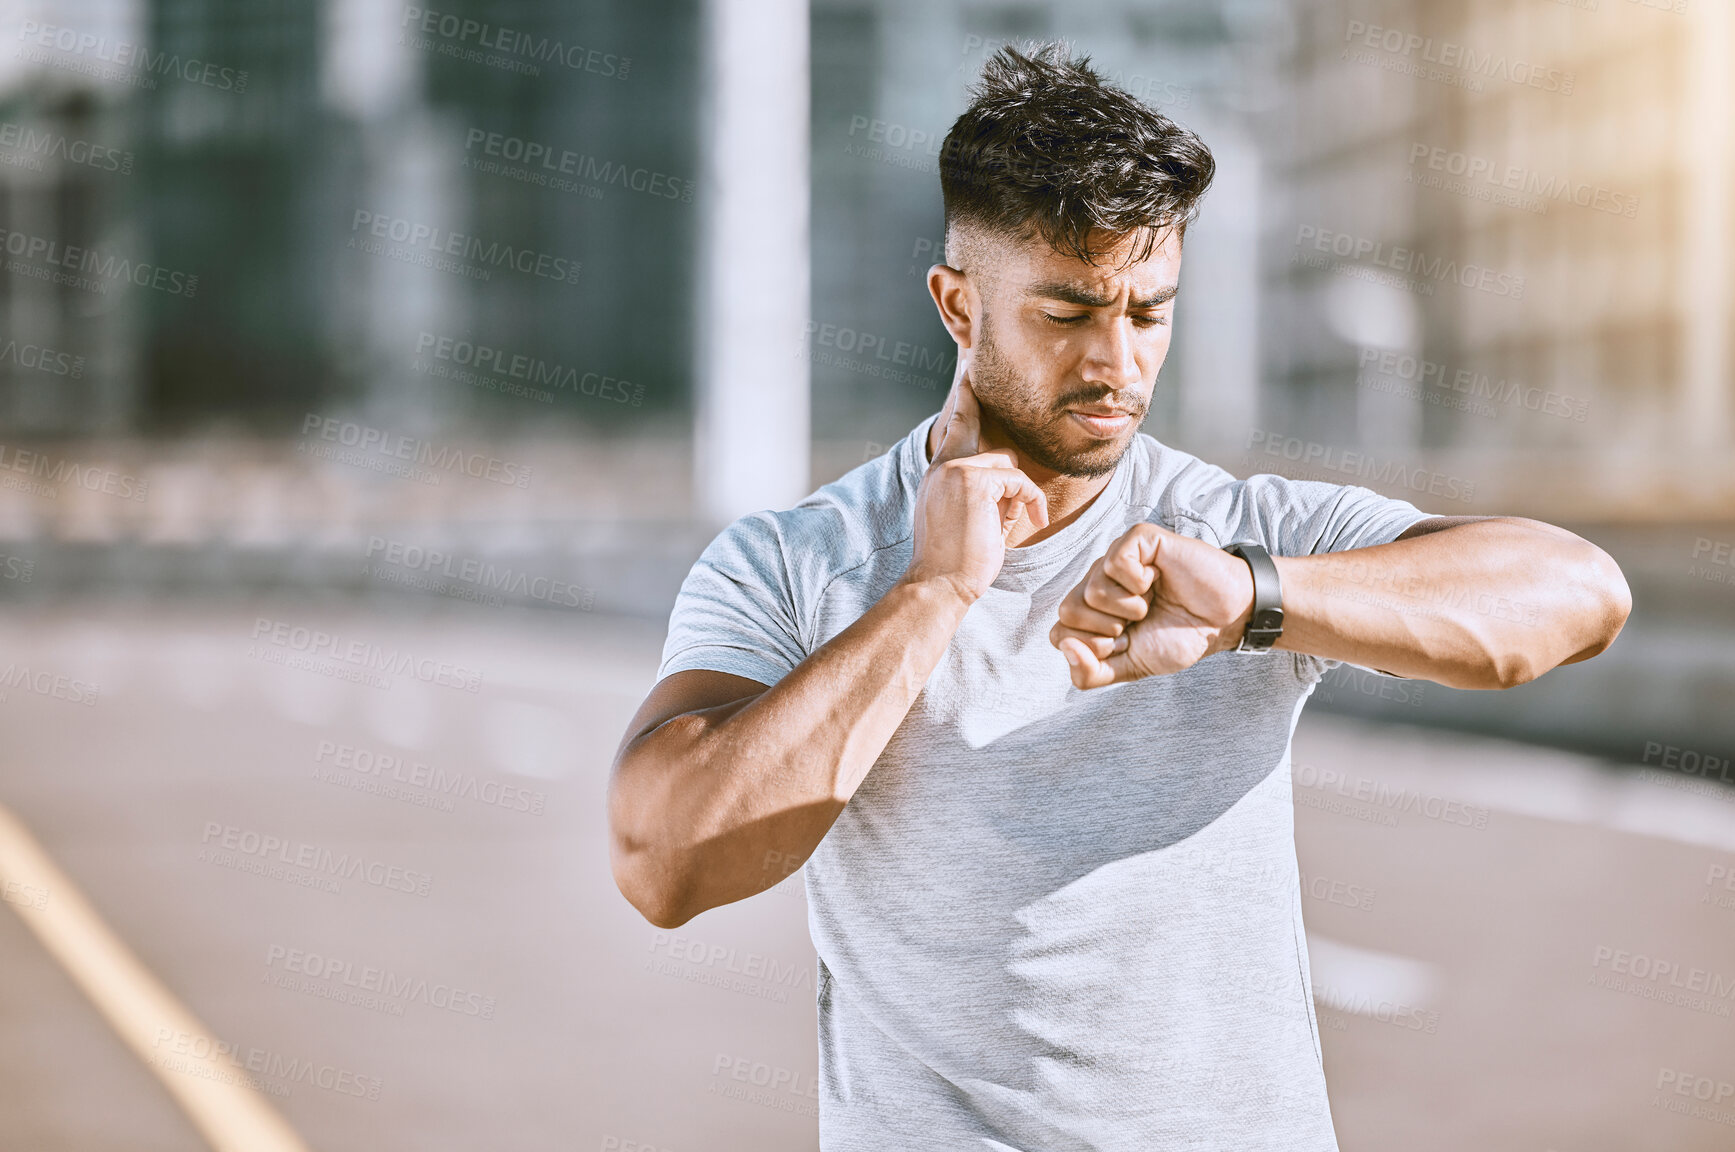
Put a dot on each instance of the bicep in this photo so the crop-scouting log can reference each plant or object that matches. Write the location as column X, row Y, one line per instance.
column 1440, row 523
column 690, row 690
column 1436, row 524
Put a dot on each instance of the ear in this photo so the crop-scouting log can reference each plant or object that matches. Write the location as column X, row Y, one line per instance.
column 956, row 298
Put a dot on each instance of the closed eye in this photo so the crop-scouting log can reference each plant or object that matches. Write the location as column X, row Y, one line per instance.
column 1080, row 318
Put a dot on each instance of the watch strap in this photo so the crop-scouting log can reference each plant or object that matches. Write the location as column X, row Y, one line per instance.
column 1265, row 624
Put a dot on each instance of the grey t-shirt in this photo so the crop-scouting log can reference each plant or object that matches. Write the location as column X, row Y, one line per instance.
column 1050, row 919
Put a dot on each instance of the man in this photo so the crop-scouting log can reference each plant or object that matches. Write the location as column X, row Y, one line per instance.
column 1023, row 718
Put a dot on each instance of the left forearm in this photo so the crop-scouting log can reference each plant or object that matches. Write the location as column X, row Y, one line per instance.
column 1487, row 604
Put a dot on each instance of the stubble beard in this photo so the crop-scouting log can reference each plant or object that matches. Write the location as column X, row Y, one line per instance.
column 1036, row 426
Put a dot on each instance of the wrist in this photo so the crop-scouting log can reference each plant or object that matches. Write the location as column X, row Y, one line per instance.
column 1240, row 608
column 942, row 592
column 1258, row 600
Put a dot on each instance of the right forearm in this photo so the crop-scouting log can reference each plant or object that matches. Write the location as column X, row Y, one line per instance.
column 822, row 727
column 747, row 784
column 702, row 804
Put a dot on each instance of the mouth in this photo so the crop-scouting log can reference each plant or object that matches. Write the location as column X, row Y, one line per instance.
column 1102, row 422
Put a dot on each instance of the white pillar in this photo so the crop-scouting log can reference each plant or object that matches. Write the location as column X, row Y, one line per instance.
column 1218, row 308
column 752, row 436
column 1706, row 238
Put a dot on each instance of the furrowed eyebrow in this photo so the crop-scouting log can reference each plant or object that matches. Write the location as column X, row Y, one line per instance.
column 1163, row 296
column 1083, row 298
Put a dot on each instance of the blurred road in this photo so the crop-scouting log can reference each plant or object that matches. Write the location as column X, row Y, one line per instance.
column 405, row 880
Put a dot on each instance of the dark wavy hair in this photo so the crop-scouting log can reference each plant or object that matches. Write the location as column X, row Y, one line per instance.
column 1047, row 145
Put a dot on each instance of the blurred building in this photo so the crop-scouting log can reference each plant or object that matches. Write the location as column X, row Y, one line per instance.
column 68, row 360
column 461, row 229
column 235, row 146
column 1476, row 254
column 1504, row 246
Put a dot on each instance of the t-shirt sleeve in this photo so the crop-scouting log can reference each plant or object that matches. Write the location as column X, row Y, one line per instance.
column 1310, row 517
column 737, row 610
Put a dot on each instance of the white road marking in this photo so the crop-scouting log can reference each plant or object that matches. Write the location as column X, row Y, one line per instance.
column 230, row 1115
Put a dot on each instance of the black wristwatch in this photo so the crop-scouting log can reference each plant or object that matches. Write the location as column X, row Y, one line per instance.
column 1265, row 625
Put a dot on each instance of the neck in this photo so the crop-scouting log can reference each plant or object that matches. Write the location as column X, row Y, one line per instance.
column 1067, row 496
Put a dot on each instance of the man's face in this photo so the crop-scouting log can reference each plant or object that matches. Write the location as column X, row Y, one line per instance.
column 1059, row 339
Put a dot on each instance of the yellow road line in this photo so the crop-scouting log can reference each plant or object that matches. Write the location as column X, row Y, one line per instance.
column 210, row 1089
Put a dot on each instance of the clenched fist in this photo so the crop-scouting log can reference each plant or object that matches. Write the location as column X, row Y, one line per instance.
column 969, row 501
column 1155, row 602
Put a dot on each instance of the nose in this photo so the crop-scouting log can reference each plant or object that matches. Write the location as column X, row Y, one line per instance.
column 1112, row 359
